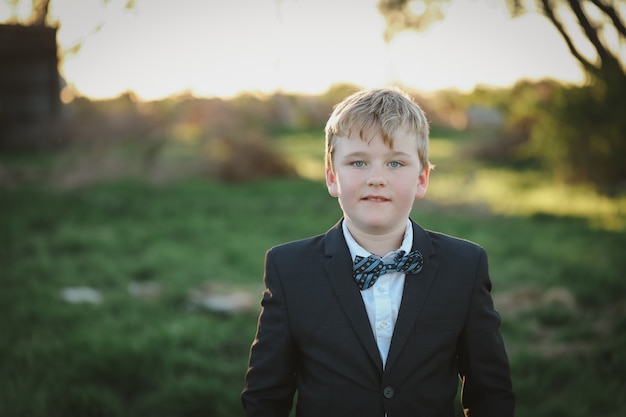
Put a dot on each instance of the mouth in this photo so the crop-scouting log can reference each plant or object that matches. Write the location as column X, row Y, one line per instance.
column 375, row 199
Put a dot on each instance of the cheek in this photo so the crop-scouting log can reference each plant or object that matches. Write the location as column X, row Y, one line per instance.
column 408, row 190
column 343, row 183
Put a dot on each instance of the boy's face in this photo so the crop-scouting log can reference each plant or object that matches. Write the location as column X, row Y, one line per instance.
column 376, row 185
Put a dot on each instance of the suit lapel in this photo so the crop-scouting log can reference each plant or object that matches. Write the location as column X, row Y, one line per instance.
column 416, row 289
column 339, row 272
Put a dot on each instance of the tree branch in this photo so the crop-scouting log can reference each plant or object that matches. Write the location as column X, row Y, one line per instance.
column 610, row 11
column 591, row 31
column 399, row 16
column 549, row 12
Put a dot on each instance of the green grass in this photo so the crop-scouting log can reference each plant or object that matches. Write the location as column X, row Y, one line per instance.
column 558, row 281
column 129, row 356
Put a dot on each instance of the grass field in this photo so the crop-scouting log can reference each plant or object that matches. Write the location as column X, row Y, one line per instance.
column 556, row 259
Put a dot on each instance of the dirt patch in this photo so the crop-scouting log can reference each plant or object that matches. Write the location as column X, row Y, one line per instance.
column 552, row 323
column 514, row 302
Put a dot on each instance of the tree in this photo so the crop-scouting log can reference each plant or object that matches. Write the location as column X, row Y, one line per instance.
column 40, row 12
column 608, row 18
column 417, row 15
column 578, row 131
column 40, row 16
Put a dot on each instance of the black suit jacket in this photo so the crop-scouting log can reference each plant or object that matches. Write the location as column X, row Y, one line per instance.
column 314, row 335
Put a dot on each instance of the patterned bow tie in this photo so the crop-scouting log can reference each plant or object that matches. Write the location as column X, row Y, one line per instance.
column 367, row 270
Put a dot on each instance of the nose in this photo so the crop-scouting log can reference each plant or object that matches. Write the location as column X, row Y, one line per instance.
column 376, row 177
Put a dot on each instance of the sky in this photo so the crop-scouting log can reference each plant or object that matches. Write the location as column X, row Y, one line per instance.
column 224, row 47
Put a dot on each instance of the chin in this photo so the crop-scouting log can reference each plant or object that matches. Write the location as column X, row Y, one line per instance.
column 380, row 225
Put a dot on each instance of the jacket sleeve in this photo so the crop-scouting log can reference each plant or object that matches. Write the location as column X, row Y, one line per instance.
column 270, row 380
column 482, row 359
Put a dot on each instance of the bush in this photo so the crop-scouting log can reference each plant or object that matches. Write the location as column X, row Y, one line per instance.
column 579, row 132
column 576, row 132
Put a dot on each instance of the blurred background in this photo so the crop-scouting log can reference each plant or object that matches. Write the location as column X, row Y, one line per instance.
column 151, row 151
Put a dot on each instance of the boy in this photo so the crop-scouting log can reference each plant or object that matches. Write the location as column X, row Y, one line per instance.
column 377, row 317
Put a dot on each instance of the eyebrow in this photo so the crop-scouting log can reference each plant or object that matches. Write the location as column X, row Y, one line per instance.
column 361, row 154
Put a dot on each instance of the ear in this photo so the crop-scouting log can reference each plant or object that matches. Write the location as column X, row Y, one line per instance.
column 331, row 182
column 422, row 184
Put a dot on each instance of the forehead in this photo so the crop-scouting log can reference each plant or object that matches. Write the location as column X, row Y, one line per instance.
column 374, row 142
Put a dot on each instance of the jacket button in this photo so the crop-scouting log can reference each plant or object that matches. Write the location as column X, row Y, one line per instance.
column 388, row 392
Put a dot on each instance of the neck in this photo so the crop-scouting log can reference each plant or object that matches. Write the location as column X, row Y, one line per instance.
column 378, row 243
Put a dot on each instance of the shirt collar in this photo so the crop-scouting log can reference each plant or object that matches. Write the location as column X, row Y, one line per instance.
column 356, row 249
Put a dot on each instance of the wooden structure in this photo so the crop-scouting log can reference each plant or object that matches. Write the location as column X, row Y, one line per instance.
column 29, row 83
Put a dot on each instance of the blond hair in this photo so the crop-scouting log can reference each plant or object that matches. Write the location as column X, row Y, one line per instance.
column 388, row 111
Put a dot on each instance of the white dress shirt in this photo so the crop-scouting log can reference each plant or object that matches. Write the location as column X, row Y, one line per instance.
column 382, row 300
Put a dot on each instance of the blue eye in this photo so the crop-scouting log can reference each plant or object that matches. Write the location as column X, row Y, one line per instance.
column 395, row 164
column 358, row 164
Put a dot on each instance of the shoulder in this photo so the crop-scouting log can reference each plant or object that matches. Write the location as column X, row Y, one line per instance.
column 458, row 259
column 310, row 255
column 293, row 259
column 297, row 247
column 320, row 245
column 451, row 247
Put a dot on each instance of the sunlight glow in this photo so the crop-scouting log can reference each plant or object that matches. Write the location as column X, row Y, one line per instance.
column 508, row 193
column 218, row 48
